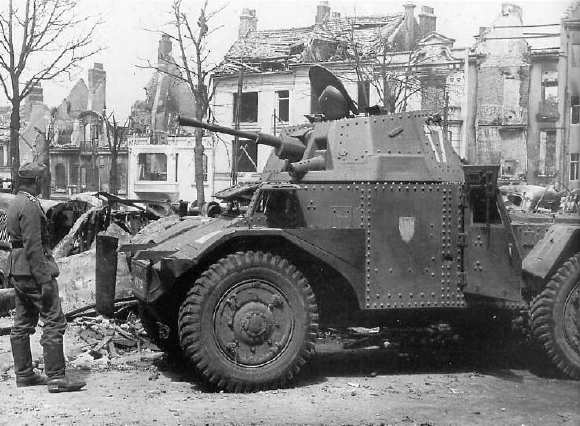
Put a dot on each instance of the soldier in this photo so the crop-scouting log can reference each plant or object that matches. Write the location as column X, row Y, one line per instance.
column 32, row 270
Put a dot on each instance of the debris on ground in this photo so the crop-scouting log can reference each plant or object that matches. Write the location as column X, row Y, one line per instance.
column 106, row 343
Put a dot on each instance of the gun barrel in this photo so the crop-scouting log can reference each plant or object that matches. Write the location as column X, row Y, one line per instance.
column 192, row 122
column 287, row 147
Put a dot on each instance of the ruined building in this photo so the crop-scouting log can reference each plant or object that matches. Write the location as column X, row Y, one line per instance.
column 520, row 94
column 498, row 83
column 166, row 96
column 161, row 154
column 79, row 154
column 569, row 98
column 402, row 49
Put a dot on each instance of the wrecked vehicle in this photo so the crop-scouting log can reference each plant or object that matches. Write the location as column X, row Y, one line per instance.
column 531, row 198
column 357, row 220
column 73, row 227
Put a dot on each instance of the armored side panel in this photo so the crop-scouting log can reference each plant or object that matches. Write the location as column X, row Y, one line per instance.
column 413, row 256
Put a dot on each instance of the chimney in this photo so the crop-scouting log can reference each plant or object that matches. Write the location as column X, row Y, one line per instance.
column 164, row 51
column 410, row 33
column 97, row 74
column 427, row 21
column 511, row 9
column 322, row 12
column 97, row 87
column 36, row 94
column 248, row 23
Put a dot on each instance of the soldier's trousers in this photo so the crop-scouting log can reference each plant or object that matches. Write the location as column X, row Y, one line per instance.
column 30, row 306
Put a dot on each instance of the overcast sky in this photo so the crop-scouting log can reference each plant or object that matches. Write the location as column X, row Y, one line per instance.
column 128, row 42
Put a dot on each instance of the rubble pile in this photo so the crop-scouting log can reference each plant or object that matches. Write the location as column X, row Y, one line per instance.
column 111, row 343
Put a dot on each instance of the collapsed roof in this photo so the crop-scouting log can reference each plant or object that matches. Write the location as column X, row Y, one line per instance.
column 331, row 40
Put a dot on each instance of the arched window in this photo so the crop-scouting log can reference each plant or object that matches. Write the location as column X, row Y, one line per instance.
column 60, row 176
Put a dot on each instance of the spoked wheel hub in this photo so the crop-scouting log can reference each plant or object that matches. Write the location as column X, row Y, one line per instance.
column 253, row 323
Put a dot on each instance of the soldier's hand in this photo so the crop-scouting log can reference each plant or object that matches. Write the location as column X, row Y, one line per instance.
column 47, row 294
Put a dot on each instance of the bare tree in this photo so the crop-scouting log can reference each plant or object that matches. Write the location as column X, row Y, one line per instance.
column 39, row 41
column 194, row 68
column 374, row 65
column 115, row 138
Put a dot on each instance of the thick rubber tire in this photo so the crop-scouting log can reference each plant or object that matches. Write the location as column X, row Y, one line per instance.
column 166, row 340
column 249, row 322
column 555, row 316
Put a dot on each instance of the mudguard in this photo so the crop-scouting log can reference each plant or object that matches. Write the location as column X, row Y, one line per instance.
column 560, row 243
column 155, row 271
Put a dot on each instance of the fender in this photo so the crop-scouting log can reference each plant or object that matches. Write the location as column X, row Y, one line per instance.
column 560, row 243
column 342, row 249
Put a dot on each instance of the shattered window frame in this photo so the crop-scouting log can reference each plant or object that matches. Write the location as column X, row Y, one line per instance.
column 574, row 166
column 246, row 156
column 145, row 166
column 248, row 107
column 547, row 154
column 283, row 105
column 60, row 181
column 575, row 109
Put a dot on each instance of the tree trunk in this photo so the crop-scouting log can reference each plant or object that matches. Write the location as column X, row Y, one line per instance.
column 199, row 171
column 113, row 178
column 15, row 142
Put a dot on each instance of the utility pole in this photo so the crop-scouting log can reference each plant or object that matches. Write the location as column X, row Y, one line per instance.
column 237, row 109
column 446, row 114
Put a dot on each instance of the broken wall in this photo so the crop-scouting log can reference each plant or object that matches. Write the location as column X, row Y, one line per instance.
column 501, row 100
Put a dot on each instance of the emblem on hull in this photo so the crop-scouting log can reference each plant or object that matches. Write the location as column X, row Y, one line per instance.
column 407, row 227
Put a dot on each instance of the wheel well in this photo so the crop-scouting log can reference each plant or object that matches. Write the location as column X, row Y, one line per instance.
column 535, row 285
column 336, row 298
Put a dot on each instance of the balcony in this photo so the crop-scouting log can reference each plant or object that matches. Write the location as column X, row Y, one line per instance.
column 548, row 111
column 156, row 187
column 502, row 115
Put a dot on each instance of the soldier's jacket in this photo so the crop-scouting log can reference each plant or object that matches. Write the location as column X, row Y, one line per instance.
column 27, row 227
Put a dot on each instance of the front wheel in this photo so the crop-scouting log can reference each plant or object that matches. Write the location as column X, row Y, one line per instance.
column 249, row 322
column 556, row 318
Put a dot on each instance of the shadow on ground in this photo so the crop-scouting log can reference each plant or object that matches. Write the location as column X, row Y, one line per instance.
column 495, row 359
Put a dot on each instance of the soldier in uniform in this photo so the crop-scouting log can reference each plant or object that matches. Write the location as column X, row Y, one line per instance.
column 32, row 270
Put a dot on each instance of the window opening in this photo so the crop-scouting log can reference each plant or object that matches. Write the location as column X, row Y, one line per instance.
column 152, row 166
column 283, row 105
column 248, row 107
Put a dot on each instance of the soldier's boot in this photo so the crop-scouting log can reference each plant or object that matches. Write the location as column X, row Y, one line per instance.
column 54, row 364
column 25, row 375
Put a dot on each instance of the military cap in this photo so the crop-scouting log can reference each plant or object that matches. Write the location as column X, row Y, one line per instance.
column 30, row 170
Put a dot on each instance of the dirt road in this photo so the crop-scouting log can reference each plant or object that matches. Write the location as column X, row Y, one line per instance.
column 355, row 387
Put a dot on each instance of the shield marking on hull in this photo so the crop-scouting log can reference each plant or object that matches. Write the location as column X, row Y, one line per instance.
column 407, row 227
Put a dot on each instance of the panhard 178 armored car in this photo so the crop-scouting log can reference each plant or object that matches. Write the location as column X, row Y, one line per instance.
column 357, row 219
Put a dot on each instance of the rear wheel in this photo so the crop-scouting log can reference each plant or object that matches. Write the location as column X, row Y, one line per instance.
column 556, row 318
column 249, row 322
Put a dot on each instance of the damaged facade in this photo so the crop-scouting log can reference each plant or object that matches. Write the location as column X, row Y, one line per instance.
column 569, row 97
column 79, row 150
column 161, row 154
column 80, row 158
column 398, row 61
column 520, row 95
column 505, row 98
